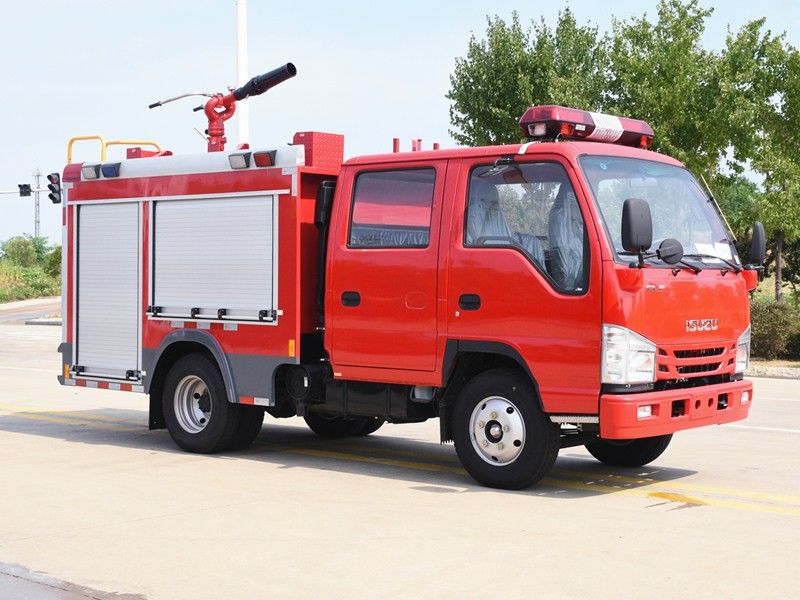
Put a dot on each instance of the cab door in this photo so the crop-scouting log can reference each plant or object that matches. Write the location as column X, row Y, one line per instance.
column 382, row 274
column 524, row 275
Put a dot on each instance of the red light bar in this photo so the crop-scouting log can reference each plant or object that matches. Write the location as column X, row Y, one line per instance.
column 559, row 122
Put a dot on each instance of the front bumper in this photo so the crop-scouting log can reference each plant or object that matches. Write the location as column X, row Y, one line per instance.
column 673, row 410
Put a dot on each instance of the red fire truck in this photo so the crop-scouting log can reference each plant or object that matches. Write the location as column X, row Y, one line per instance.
column 577, row 289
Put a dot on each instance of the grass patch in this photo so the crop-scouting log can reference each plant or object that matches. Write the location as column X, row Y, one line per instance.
column 24, row 283
column 759, row 362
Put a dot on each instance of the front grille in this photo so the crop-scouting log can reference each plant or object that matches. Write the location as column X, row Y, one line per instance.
column 687, row 362
column 700, row 353
column 691, row 369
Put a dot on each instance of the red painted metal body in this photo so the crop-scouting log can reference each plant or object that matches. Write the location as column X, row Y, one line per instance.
column 557, row 335
column 410, row 315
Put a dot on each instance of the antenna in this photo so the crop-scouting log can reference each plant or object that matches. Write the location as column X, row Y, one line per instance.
column 719, row 210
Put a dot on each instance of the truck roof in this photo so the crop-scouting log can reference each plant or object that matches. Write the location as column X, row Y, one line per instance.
column 568, row 149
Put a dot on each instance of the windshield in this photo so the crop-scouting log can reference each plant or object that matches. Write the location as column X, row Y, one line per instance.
column 679, row 207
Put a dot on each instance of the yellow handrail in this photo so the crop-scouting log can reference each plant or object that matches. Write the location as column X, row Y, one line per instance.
column 104, row 145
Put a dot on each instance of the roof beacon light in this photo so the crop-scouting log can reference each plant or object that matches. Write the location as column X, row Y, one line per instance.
column 558, row 122
column 90, row 171
column 239, row 161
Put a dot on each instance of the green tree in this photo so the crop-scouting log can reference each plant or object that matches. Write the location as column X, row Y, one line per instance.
column 720, row 113
column 52, row 263
column 513, row 69
column 20, row 251
column 661, row 73
column 777, row 155
column 738, row 198
column 490, row 84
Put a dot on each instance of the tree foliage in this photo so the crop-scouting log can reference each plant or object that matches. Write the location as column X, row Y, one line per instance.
column 662, row 74
column 20, row 251
column 721, row 112
column 514, row 68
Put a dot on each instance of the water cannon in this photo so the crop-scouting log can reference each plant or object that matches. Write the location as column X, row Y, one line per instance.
column 221, row 107
column 260, row 84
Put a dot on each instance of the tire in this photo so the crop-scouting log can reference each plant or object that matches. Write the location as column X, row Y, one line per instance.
column 502, row 437
column 337, row 427
column 633, row 453
column 198, row 415
column 371, row 426
column 252, row 418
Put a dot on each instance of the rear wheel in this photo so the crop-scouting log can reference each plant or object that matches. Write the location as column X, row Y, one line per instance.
column 339, row 427
column 633, row 453
column 502, row 437
column 371, row 426
column 198, row 415
column 252, row 418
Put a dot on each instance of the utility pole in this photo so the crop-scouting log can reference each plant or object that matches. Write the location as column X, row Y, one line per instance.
column 25, row 190
column 243, row 117
column 36, row 175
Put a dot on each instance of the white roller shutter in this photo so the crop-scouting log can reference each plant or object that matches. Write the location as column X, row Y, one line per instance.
column 108, row 289
column 215, row 254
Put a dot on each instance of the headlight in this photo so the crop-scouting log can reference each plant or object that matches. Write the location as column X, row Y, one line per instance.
column 743, row 351
column 627, row 357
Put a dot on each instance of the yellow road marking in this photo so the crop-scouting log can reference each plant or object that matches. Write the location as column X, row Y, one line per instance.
column 611, row 478
column 680, row 498
column 73, row 421
column 649, row 493
column 404, row 464
column 646, row 487
column 16, row 410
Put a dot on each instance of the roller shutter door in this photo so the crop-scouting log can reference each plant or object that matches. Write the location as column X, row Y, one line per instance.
column 108, row 289
column 215, row 254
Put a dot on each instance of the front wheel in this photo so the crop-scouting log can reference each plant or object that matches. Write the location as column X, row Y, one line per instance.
column 633, row 453
column 502, row 437
column 198, row 415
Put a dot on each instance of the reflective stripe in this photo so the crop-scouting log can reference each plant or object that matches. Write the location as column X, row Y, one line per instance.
column 607, row 128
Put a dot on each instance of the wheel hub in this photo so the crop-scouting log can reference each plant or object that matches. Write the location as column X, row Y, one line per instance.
column 494, row 431
column 497, row 430
column 192, row 404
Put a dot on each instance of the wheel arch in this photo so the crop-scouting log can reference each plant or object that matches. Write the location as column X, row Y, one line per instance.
column 173, row 347
column 465, row 359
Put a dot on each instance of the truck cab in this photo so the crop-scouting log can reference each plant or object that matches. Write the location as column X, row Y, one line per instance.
column 507, row 266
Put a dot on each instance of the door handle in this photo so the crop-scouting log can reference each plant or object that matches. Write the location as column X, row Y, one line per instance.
column 351, row 298
column 469, row 302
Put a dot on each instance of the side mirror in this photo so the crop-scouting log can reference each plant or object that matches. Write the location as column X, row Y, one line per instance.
column 670, row 251
column 758, row 249
column 637, row 225
column 322, row 208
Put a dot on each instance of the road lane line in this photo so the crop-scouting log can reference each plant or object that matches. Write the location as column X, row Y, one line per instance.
column 29, row 369
column 627, row 486
column 642, row 481
column 651, row 493
column 405, row 464
column 49, row 418
column 757, row 428
column 80, row 415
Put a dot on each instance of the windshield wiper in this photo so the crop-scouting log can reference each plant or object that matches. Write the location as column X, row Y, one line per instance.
column 648, row 255
column 734, row 267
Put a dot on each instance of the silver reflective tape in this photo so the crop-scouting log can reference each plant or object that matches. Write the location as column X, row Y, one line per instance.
column 607, row 128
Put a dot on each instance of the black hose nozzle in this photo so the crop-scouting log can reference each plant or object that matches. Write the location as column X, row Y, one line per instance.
column 261, row 83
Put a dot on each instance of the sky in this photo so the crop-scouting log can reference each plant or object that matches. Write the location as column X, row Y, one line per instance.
column 369, row 70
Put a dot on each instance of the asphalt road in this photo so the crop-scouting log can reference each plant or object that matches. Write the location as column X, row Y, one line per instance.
column 93, row 505
column 19, row 312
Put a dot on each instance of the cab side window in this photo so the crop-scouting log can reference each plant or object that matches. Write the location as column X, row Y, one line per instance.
column 532, row 208
column 392, row 209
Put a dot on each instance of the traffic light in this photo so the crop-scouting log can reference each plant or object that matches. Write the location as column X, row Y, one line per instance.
column 24, row 189
column 55, row 188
